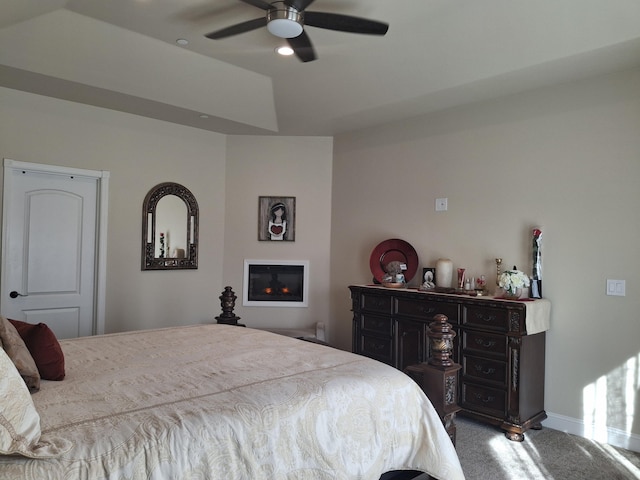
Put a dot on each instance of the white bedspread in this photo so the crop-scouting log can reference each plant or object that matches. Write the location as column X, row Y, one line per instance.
column 225, row 402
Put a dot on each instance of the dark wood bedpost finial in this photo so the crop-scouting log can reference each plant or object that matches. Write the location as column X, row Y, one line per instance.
column 228, row 303
column 441, row 335
column 438, row 376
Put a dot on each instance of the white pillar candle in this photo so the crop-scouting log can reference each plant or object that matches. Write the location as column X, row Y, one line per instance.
column 444, row 272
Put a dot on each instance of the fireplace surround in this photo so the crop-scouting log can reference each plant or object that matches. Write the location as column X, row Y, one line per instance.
column 275, row 283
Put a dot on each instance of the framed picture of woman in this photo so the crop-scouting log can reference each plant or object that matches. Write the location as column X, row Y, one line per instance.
column 277, row 219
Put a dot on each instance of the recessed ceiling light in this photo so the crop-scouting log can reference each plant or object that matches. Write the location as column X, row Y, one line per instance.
column 204, row 116
column 182, row 41
column 284, row 51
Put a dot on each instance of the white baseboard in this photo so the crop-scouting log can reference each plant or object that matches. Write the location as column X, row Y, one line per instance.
column 612, row 436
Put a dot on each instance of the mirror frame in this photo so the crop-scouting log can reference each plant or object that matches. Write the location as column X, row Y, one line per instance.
column 149, row 261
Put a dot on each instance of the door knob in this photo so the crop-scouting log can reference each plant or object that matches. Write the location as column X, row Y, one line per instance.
column 15, row 294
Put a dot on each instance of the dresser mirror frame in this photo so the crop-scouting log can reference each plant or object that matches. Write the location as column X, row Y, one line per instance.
column 188, row 256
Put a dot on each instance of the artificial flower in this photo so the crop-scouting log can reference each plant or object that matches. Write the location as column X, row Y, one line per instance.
column 511, row 280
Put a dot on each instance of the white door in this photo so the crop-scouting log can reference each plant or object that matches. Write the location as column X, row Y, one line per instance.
column 51, row 248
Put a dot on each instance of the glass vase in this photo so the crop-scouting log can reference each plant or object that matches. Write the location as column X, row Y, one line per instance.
column 513, row 294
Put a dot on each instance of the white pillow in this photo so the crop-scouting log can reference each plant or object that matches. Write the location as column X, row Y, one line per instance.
column 19, row 420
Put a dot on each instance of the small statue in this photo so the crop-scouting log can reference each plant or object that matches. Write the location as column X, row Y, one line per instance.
column 428, row 284
column 394, row 272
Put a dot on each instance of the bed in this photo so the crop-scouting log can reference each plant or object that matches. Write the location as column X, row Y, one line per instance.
column 226, row 402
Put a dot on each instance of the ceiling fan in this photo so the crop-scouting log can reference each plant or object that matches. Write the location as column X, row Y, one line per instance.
column 287, row 18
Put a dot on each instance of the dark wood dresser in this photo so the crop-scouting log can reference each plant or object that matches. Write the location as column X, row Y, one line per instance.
column 500, row 345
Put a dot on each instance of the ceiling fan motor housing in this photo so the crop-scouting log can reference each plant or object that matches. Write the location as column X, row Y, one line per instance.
column 284, row 21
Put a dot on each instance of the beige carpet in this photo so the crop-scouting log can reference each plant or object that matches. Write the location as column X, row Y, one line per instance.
column 485, row 453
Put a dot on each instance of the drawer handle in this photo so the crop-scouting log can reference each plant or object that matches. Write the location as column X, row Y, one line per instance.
column 486, row 318
column 427, row 310
column 379, row 303
column 485, row 344
column 376, row 348
column 485, row 399
column 487, row 371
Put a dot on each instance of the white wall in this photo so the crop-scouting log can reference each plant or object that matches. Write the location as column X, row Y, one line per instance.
column 139, row 153
column 566, row 159
column 297, row 167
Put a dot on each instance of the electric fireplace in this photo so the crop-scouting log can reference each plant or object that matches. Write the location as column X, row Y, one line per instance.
column 275, row 283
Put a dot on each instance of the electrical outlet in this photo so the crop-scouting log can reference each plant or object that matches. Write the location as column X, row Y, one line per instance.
column 616, row 287
column 441, row 204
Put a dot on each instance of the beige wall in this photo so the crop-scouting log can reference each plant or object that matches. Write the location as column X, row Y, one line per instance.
column 139, row 153
column 280, row 166
column 227, row 181
column 566, row 159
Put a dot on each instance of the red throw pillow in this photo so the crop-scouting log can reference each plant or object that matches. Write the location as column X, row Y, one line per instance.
column 44, row 348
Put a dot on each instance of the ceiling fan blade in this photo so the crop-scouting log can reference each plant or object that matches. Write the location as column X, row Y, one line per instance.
column 238, row 28
column 258, row 3
column 302, row 47
column 345, row 23
column 299, row 5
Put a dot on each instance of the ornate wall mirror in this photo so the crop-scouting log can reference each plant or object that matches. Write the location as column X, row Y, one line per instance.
column 169, row 228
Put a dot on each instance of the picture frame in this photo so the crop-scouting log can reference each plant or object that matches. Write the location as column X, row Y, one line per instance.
column 276, row 219
column 432, row 277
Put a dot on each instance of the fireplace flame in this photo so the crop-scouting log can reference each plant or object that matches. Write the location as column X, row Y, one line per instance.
column 274, row 291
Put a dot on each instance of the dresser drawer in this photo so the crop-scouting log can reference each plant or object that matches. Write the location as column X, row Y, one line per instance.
column 483, row 399
column 376, row 303
column 425, row 310
column 377, row 324
column 485, row 318
column 485, row 343
column 377, row 348
column 485, row 370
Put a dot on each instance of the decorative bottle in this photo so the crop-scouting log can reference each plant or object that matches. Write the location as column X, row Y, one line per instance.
column 536, row 275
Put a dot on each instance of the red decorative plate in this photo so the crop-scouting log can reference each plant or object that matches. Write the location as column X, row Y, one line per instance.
column 390, row 251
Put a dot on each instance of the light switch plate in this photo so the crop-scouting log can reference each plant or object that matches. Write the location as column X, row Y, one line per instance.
column 441, row 204
column 616, row 287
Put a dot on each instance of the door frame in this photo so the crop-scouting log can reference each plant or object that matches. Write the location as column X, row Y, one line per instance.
column 102, row 209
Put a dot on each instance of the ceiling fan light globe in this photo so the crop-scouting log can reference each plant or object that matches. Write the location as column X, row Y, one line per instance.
column 284, row 28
